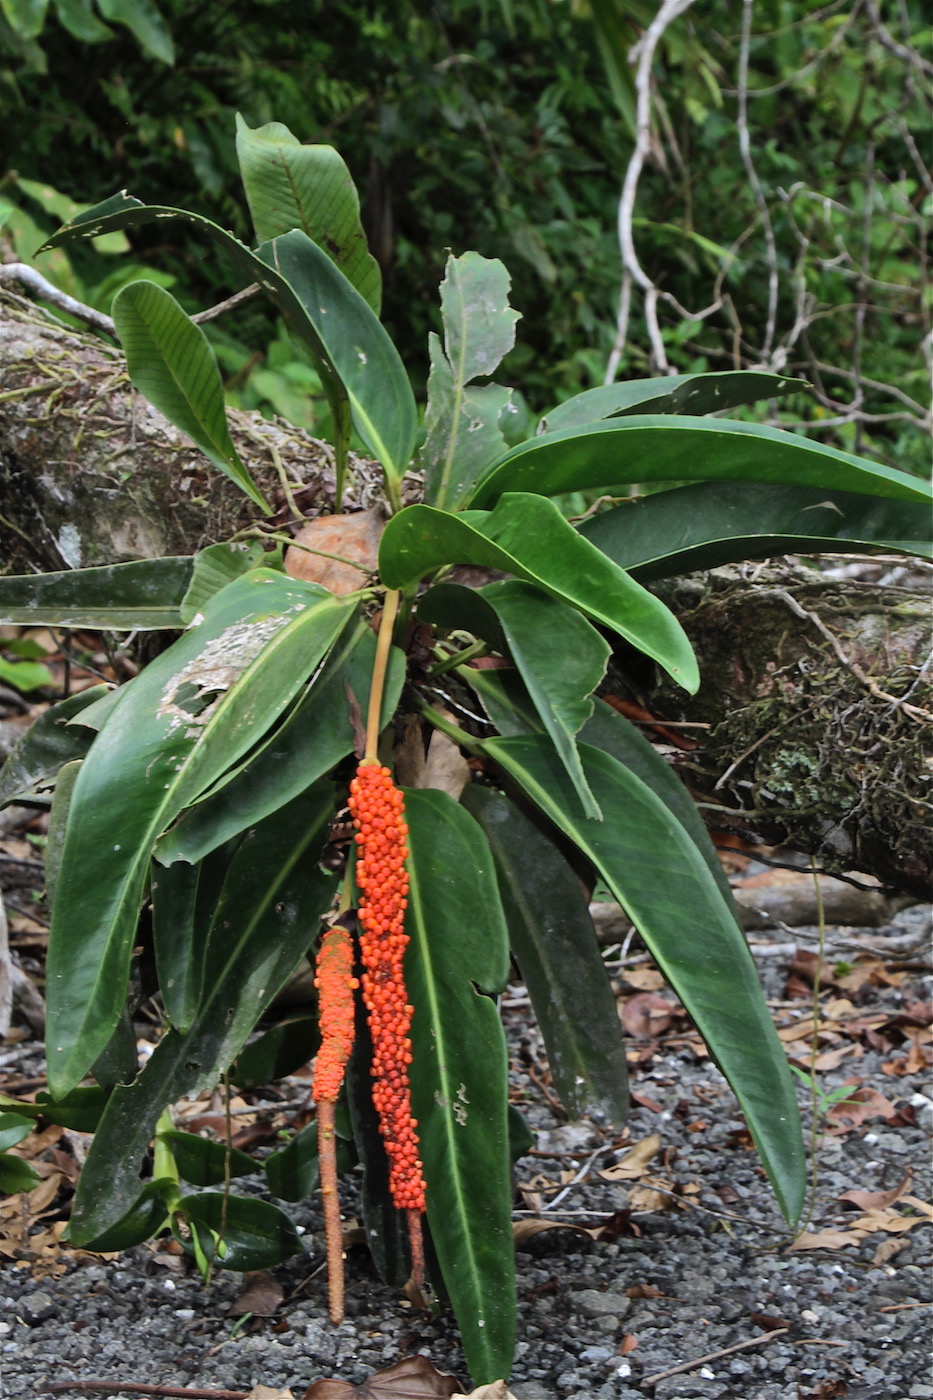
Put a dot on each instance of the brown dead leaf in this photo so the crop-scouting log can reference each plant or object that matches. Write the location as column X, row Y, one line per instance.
column 825, row 1239
column 832, row 1059
column 826, row 1390
column 646, row 1198
column 876, row 1200
column 891, row 1220
column 412, row 1379
column 858, row 1108
column 644, row 1290
column 352, row 537
column 446, row 768
column 887, row 1250
column 496, row 1391
column 261, row 1295
column 524, row 1230
column 266, row 1392
column 643, row 979
column 646, row 1015
column 628, row 1343
column 635, row 1162
column 767, row 1323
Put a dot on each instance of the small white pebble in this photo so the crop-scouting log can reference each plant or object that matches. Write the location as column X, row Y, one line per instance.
column 169, row 1283
column 808, row 1315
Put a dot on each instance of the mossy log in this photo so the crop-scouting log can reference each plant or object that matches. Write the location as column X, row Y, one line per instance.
column 813, row 688
column 817, row 694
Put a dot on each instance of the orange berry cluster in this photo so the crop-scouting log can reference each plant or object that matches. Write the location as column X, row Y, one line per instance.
column 378, row 813
column 335, row 985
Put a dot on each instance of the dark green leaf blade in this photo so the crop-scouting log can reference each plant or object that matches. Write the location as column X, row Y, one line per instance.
column 527, row 536
column 676, row 393
column 554, row 943
column 184, row 720
column 459, row 943
column 650, row 448
column 657, row 873
column 702, row 526
column 205, row 1163
column 562, row 659
column 144, row 594
column 273, row 899
column 255, row 1234
column 290, row 185
column 48, row 744
column 357, row 346
column 171, row 361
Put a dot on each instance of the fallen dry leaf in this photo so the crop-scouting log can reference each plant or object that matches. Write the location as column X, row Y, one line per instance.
column 825, row 1239
column 496, row 1391
column 628, row 1343
column 858, row 1108
column 891, row 1220
column 412, row 1379
column 352, row 537
column 643, row 979
column 635, row 1162
column 646, row 1015
column 523, row 1230
column 266, row 1392
column 644, row 1290
column 261, row 1295
column 646, row 1198
column 446, row 768
column 887, row 1250
column 876, row 1200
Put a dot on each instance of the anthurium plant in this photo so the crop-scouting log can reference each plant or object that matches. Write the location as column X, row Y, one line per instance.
column 236, row 806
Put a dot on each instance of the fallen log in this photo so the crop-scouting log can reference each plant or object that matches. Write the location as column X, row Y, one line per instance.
column 814, row 689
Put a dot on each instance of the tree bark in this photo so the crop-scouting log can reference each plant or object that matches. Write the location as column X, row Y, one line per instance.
column 812, row 688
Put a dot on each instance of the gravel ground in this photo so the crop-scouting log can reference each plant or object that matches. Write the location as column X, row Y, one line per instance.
column 712, row 1272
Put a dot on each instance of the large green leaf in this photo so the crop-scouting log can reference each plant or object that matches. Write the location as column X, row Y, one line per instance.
column 203, row 1162
column 676, row 393
column 171, row 361
column 48, row 744
column 356, row 344
column 462, row 422
column 254, row 1234
column 145, row 23
column 658, row 874
column 213, row 567
column 13, row 1128
column 25, row 17
column 144, row 594
column 289, row 185
column 555, row 946
column 616, row 736
column 527, row 536
column 711, row 523
column 458, row 952
column 183, row 899
column 185, row 719
column 649, row 448
column 273, row 899
column 317, row 734
column 560, row 657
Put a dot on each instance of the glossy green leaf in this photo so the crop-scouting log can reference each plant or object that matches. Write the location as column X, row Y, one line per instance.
column 25, row 17
column 255, row 1234
column 216, row 566
column 458, row 952
column 561, row 658
column 171, row 361
column 462, row 422
column 203, row 1162
column 123, row 211
column 268, row 915
column 16, row 1175
column 13, row 1128
column 147, row 1217
column 622, row 740
column 710, row 523
column 312, row 740
column 79, row 19
column 183, row 898
column 505, row 699
column 659, row 876
column 554, row 944
column 527, row 536
column 48, row 743
column 289, row 185
column 145, row 23
column 25, row 676
column 358, row 346
column 277, row 1052
column 142, row 595
column 184, row 720
column 676, row 393
column 58, row 825
column 650, row 448
column 81, row 1109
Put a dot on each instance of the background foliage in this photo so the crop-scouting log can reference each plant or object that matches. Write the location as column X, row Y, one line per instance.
column 508, row 127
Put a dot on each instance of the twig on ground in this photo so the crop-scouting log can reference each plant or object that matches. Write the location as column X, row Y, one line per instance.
column 715, row 1355
column 176, row 1392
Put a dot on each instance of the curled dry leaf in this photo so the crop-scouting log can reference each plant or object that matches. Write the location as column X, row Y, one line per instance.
column 646, row 1015
column 261, row 1296
column 876, row 1200
column 635, row 1162
column 524, row 1230
column 412, row 1379
column 267, row 1392
column 351, row 537
column 496, row 1391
